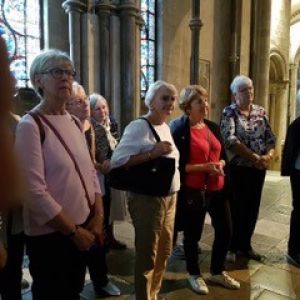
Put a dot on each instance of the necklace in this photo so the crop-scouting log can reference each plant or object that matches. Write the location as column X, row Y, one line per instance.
column 199, row 125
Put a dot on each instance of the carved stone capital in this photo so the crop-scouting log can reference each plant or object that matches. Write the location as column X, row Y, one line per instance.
column 74, row 6
column 128, row 9
column 195, row 23
column 140, row 21
column 104, row 6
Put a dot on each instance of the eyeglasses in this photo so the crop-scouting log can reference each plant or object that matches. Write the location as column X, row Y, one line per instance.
column 74, row 101
column 58, row 73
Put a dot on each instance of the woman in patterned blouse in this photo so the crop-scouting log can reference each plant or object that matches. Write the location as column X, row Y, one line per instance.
column 107, row 136
column 250, row 143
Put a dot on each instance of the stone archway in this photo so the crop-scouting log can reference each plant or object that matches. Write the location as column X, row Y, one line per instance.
column 277, row 107
column 295, row 90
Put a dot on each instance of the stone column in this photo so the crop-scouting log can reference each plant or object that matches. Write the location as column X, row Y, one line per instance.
column 260, row 49
column 195, row 25
column 220, row 96
column 103, row 10
column 115, row 70
column 236, row 28
column 128, row 13
column 74, row 8
column 280, row 128
column 293, row 92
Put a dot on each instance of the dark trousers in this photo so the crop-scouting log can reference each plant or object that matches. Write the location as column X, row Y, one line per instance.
column 57, row 267
column 11, row 275
column 294, row 240
column 194, row 211
column 247, row 184
column 106, row 202
column 96, row 262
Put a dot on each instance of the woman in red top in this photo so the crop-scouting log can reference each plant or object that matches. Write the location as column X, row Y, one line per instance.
column 202, row 187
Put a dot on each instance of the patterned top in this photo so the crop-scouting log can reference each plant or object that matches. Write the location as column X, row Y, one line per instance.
column 103, row 148
column 253, row 131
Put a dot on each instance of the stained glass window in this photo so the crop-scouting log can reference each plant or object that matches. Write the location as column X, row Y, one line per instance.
column 148, row 38
column 20, row 27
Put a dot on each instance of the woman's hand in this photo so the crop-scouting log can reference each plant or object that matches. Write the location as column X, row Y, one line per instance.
column 105, row 166
column 214, row 168
column 161, row 148
column 83, row 238
column 262, row 162
column 96, row 227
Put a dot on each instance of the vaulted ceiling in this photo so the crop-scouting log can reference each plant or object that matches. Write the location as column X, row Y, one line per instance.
column 295, row 11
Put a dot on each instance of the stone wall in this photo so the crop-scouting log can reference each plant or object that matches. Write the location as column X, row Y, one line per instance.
column 174, row 40
column 55, row 25
column 278, row 106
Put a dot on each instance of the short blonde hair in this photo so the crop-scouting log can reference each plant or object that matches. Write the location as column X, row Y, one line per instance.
column 188, row 94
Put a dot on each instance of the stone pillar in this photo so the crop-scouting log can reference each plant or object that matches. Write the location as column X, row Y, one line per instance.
column 280, row 127
column 236, row 28
column 103, row 10
column 115, row 71
column 195, row 25
column 74, row 8
column 260, row 49
column 54, row 17
column 293, row 92
column 128, row 13
column 220, row 96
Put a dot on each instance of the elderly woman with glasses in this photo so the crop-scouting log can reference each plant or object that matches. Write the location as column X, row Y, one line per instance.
column 152, row 216
column 107, row 137
column 250, row 143
column 78, row 105
column 201, row 165
column 63, row 213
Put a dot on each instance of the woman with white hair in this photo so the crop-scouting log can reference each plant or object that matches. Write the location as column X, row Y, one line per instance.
column 250, row 143
column 107, row 136
column 63, row 213
column 152, row 216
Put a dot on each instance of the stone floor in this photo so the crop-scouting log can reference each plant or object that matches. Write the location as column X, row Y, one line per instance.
column 272, row 279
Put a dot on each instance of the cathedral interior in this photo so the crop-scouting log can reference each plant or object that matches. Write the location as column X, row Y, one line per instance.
column 119, row 47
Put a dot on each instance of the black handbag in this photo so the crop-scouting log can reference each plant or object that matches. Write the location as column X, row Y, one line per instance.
column 153, row 177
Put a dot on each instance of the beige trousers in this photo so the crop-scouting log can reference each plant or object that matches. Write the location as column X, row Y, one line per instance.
column 153, row 221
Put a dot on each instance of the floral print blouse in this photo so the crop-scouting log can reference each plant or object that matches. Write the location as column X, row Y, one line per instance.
column 103, row 148
column 253, row 131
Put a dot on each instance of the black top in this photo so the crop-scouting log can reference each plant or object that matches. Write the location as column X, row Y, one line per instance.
column 291, row 148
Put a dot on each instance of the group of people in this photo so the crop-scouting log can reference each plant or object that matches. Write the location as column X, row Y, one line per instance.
column 68, row 144
column 221, row 170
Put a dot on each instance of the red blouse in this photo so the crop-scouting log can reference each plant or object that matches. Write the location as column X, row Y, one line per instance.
column 205, row 147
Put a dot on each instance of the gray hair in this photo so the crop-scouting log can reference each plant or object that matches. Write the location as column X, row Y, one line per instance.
column 43, row 62
column 76, row 88
column 153, row 89
column 93, row 98
column 238, row 81
column 187, row 95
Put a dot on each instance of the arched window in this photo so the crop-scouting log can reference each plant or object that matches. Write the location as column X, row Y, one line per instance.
column 148, row 45
column 20, row 26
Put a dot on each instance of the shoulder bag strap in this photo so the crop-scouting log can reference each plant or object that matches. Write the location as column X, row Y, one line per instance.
column 70, row 154
column 209, row 148
column 152, row 129
column 39, row 124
